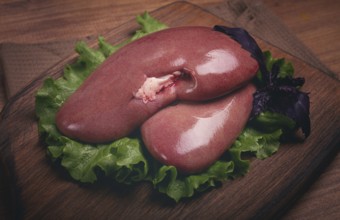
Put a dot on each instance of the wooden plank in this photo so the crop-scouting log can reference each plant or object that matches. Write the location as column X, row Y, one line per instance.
column 44, row 21
column 315, row 24
column 43, row 190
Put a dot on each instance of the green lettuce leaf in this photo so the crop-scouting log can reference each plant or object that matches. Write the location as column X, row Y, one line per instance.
column 286, row 68
column 125, row 160
column 260, row 143
column 167, row 180
column 122, row 160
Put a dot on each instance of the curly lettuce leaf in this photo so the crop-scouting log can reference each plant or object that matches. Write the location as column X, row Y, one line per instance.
column 124, row 159
column 262, row 144
column 148, row 25
column 167, row 180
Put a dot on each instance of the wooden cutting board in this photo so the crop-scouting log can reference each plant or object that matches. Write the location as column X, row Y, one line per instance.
column 41, row 190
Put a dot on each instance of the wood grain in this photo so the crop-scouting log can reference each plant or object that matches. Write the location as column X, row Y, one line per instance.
column 322, row 196
column 315, row 24
column 45, row 191
column 27, row 21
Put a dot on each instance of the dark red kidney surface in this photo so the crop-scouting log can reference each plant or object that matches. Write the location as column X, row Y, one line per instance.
column 191, row 135
column 196, row 63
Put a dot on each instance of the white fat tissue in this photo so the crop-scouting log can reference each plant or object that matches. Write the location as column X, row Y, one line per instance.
column 153, row 85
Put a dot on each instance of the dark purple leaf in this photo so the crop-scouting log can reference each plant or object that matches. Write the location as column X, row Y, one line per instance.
column 275, row 94
column 261, row 99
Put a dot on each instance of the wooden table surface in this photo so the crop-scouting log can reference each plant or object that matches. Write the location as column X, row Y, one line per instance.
column 314, row 22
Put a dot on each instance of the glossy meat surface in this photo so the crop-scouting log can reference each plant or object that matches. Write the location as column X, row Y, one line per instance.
column 191, row 136
column 106, row 106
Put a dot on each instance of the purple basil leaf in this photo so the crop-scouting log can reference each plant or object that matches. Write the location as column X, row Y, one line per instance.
column 260, row 102
column 280, row 95
column 301, row 112
column 294, row 104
